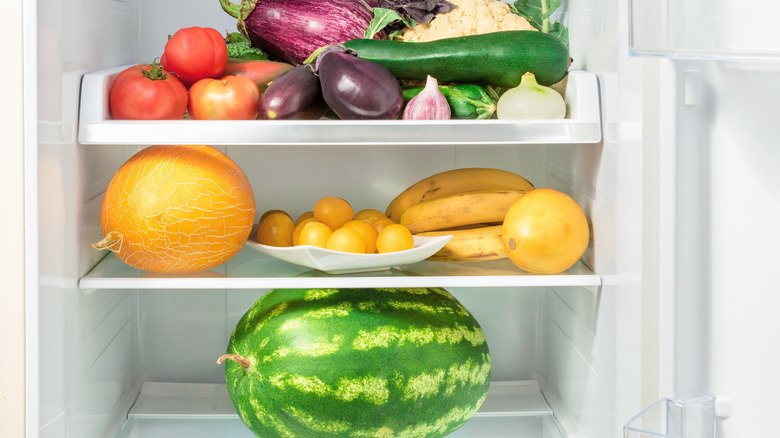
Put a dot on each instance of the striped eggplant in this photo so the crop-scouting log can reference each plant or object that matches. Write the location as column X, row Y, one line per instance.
column 293, row 29
column 409, row 362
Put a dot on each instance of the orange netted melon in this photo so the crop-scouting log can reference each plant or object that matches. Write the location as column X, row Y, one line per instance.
column 545, row 232
column 177, row 209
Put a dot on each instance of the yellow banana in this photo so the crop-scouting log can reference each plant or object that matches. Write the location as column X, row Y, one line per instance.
column 475, row 244
column 459, row 209
column 455, row 181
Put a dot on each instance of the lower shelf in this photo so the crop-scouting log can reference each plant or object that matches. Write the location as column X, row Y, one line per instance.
column 250, row 270
column 512, row 409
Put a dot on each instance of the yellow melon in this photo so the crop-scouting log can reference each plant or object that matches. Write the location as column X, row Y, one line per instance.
column 177, row 209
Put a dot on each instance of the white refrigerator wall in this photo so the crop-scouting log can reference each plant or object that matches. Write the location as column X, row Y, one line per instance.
column 97, row 346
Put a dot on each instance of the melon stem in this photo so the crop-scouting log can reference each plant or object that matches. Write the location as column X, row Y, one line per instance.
column 244, row 362
column 112, row 242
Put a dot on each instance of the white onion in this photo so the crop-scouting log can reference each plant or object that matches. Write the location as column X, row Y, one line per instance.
column 529, row 100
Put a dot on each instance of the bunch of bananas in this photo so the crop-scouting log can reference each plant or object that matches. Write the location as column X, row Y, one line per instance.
column 469, row 203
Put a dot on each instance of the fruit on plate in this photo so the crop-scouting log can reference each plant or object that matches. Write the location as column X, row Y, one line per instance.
column 465, row 208
column 303, row 216
column 346, row 239
column 369, row 215
column 270, row 212
column 333, row 224
column 275, row 229
column 545, row 232
column 357, row 362
column 455, row 181
column 177, row 209
column 389, row 238
column 394, row 238
column 470, row 244
column 333, row 211
column 299, row 229
column 381, row 223
column 366, row 232
column 314, row 233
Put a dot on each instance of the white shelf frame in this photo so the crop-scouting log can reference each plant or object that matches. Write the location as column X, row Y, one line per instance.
column 250, row 270
column 581, row 125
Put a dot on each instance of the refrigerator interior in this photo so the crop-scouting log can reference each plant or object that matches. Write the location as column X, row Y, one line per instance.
column 122, row 353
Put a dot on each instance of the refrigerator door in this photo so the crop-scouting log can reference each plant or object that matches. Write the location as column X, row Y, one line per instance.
column 727, row 200
column 713, row 133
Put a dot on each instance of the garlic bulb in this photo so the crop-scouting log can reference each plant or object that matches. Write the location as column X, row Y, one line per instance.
column 430, row 104
column 529, row 100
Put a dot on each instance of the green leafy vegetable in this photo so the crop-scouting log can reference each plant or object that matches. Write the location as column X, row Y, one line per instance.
column 235, row 37
column 383, row 17
column 538, row 13
column 239, row 47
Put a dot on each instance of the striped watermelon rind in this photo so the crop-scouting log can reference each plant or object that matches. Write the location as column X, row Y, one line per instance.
column 407, row 362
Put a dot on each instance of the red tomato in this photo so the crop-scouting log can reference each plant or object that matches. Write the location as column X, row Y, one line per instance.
column 147, row 92
column 195, row 53
column 226, row 98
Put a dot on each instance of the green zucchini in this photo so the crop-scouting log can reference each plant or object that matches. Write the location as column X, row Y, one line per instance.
column 467, row 101
column 497, row 58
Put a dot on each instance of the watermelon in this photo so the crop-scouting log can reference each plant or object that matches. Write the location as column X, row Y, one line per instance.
column 408, row 362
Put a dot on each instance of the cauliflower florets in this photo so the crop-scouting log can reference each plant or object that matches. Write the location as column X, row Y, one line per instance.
column 470, row 17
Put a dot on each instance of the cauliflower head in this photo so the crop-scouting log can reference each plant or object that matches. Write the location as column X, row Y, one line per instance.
column 470, row 17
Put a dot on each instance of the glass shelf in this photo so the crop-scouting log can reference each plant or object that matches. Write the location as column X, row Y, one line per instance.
column 252, row 270
column 582, row 125
column 513, row 408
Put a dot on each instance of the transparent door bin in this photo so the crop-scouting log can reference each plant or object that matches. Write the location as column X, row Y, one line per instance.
column 698, row 29
column 674, row 418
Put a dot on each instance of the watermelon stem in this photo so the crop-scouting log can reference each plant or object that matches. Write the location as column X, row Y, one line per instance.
column 244, row 362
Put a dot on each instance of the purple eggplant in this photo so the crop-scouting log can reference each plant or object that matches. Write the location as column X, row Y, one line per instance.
column 294, row 95
column 293, row 29
column 356, row 88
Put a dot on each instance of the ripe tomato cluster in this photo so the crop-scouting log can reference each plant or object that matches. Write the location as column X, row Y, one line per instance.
column 189, row 77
